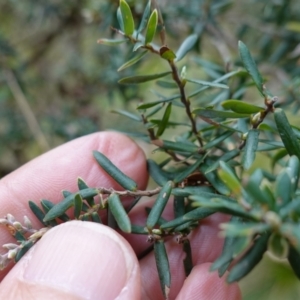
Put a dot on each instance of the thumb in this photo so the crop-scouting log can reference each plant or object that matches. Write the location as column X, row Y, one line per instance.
column 76, row 260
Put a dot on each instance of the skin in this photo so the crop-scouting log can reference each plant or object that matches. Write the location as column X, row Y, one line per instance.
column 84, row 260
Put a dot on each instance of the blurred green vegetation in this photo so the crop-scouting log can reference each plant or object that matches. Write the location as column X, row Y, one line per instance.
column 57, row 83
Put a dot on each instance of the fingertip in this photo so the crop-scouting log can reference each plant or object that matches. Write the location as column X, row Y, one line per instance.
column 202, row 284
column 76, row 260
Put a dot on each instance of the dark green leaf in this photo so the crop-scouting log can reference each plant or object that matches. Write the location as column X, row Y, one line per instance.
column 133, row 61
column 251, row 67
column 186, row 46
column 209, row 84
column 142, row 78
column 77, row 206
column 163, row 267
column 286, row 133
column 164, row 120
column 124, row 181
column 82, row 186
column 210, row 113
column 250, row 148
column 179, row 206
column 127, row 18
column 241, row 107
column 187, row 171
column 37, row 211
column 220, row 138
column 159, row 205
column 283, row 188
column 229, row 178
column 167, row 84
column 250, row 259
column 136, row 229
column 157, row 174
column 151, row 27
column 96, row 218
column 117, row 209
column 47, row 205
column 293, row 169
column 162, row 101
column 176, row 146
column 292, row 233
column 61, row 207
column 25, row 247
column 145, row 17
column 191, row 190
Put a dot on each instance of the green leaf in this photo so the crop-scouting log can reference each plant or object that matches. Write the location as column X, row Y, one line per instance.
column 117, row 209
column 210, row 113
column 61, row 207
column 124, row 181
column 196, row 214
column 241, row 107
column 82, row 186
column 127, row 18
column 142, row 78
column 250, row 148
column 207, row 83
column 164, row 121
column 151, row 104
column 176, row 146
column 179, row 206
column 286, row 133
column 25, row 247
column 37, row 211
column 157, row 174
column 292, row 233
column 96, row 218
column 246, row 229
column 163, row 267
column 151, row 27
column 110, row 42
column 187, row 171
column 283, row 188
column 219, row 139
column 229, row 178
column 191, row 190
column 167, row 84
column 133, row 61
column 250, row 259
column 47, row 205
column 226, row 157
column 127, row 114
column 293, row 169
column 159, row 205
column 186, row 46
column 120, row 19
column 77, row 206
column 166, row 53
column 251, row 67
column 145, row 17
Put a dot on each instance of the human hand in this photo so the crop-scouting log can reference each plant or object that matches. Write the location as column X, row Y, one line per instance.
column 84, row 260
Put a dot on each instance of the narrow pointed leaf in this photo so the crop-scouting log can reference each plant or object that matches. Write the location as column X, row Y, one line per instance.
column 163, row 267
column 47, row 205
column 207, row 83
column 25, row 248
column 96, row 218
column 77, row 206
column 164, row 121
column 219, row 139
column 251, row 67
column 157, row 174
column 191, row 190
column 110, row 42
column 250, row 148
column 133, row 61
column 117, row 209
column 229, row 178
column 142, row 78
column 82, row 186
column 286, row 133
column 151, row 27
column 145, row 17
column 186, row 46
column 210, row 113
column 37, row 211
column 159, row 205
column 293, row 169
column 250, row 259
column 176, row 146
column 179, row 206
column 120, row 19
column 127, row 18
column 167, row 84
column 127, row 114
column 189, row 170
column 61, row 207
column 124, row 181
column 241, row 107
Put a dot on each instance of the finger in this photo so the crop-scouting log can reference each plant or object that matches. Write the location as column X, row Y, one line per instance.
column 76, row 260
column 202, row 284
column 46, row 176
column 206, row 247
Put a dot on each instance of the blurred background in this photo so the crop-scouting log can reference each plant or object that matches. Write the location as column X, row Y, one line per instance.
column 57, row 83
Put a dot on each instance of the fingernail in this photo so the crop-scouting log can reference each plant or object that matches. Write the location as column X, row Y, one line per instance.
column 84, row 259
